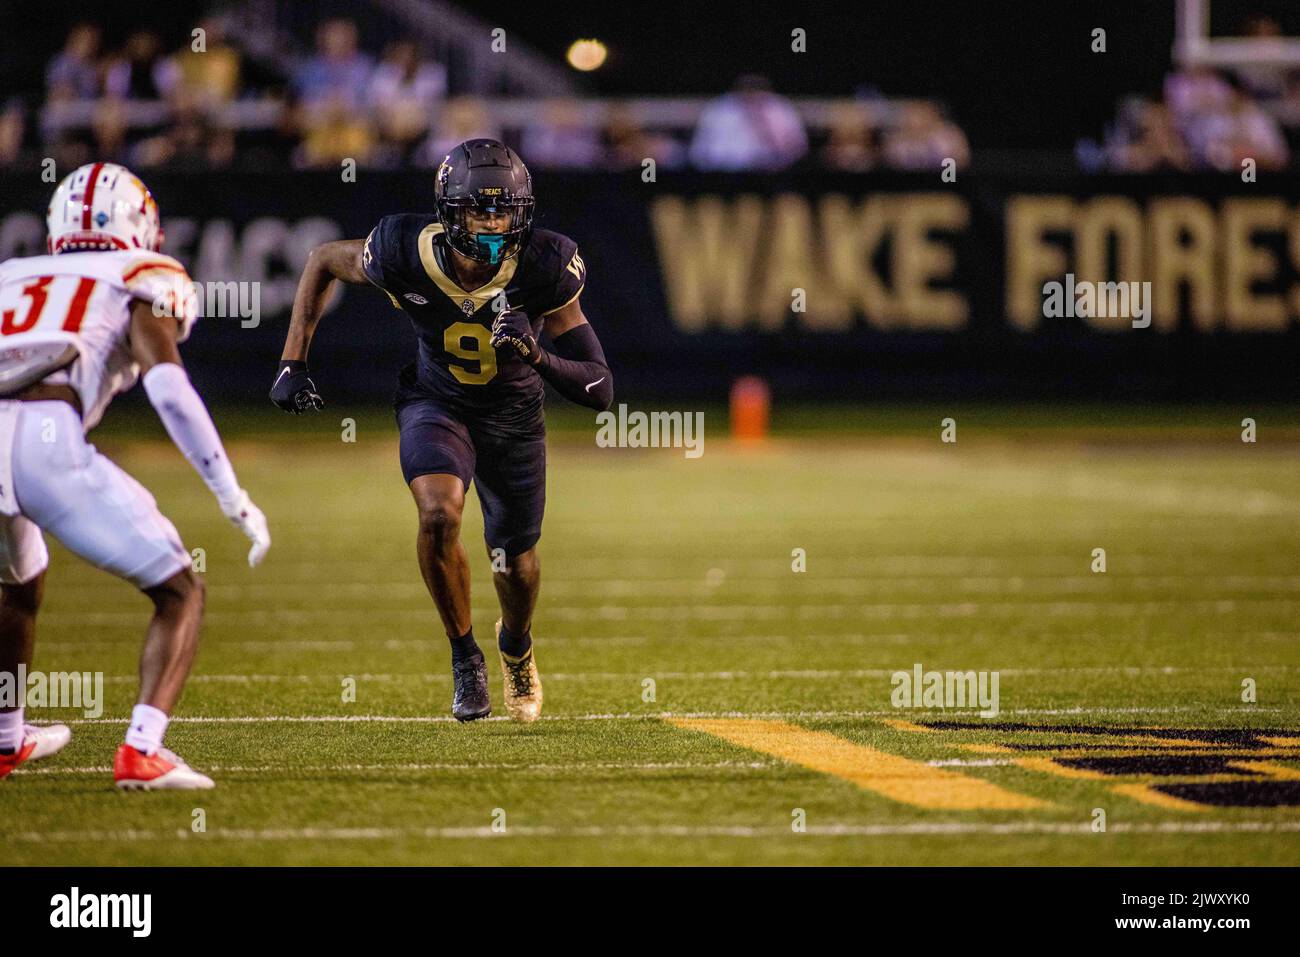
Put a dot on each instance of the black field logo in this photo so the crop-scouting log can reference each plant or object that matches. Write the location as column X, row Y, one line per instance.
column 1175, row 768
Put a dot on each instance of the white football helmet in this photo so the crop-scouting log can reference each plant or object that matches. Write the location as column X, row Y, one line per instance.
column 103, row 206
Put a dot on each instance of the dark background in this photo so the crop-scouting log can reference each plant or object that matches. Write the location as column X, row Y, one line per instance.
column 1015, row 73
column 363, row 342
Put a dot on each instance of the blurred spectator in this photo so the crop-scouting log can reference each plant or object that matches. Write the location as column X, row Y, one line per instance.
column 405, row 92
column 335, row 134
column 1287, row 109
column 462, row 118
column 212, row 75
column 69, row 152
column 109, row 131
column 403, row 78
column 192, row 142
column 337, row 103
column 1146, row 141
column 1263, row 81
column 1195, row 91
column 853, row 146
column 1224, row 138
column 923, row 139
column 74, row 73
column 562, row 138
column 1207, row 122
column 12, row 121
column 141, row 72
column 338, row 72
column 629, row 145
column 750, row 128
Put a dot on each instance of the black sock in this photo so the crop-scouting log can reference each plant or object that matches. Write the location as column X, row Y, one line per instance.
column 515, row 646
column 464, row 648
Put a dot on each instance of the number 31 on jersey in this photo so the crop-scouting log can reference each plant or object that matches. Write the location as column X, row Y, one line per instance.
column 49, row 303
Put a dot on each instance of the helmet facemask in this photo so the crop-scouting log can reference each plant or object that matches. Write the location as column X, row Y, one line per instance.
column 487, row 247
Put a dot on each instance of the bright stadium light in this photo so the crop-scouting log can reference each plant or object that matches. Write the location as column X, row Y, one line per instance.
column 587, row 55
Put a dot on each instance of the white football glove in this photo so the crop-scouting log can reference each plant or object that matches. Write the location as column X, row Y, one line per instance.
column 248, row 518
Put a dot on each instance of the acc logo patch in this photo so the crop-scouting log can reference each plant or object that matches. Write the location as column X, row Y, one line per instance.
column 416, row 298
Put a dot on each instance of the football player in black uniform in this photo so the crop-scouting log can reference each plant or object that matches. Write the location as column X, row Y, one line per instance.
column 479, row 285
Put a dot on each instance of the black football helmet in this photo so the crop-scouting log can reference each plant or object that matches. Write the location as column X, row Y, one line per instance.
column 489, row 176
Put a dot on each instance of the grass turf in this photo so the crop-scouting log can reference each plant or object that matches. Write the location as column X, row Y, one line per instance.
column 969, row 556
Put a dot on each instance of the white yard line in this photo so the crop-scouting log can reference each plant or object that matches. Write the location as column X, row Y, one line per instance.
column 580, row 766
column 812, row 674
column 654, row 715
column 131, row 642
column 1018, row 583
column 723, row 675
column 1081, row 828
column 587, row 571
column 750, row 612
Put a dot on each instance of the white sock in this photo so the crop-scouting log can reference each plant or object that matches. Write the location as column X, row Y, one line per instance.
column 11, row 730
column 148, row 725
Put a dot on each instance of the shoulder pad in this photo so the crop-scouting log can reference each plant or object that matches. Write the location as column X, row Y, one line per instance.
column 163, row 282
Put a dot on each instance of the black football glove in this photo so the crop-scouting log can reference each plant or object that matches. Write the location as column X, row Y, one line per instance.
column 293, row 390
column 512, row 330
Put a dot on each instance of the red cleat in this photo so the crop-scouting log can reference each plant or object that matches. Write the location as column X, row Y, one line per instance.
column 136, row 771
column 38, row 742
column 10, row 761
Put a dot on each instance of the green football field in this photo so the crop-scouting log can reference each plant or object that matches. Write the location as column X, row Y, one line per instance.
column 706, row 703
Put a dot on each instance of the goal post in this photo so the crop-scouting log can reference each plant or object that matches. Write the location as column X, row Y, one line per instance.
column 1195, row 46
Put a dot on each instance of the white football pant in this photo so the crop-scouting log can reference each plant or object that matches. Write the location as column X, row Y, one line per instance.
column 59, row 483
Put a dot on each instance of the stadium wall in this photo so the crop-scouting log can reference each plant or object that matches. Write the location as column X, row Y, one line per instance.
column 835, row 287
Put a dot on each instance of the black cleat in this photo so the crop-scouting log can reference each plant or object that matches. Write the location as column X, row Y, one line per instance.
column 471, row 700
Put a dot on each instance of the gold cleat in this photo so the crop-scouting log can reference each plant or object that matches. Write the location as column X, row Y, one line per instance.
column 523, row 685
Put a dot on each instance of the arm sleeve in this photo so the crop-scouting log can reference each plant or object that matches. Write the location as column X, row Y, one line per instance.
column 187, row 421
column 578, row 369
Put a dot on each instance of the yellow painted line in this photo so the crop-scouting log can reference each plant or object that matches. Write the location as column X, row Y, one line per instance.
column 899, row 725
column 1281, row 742
column 893, row 777
column 1226, row 778
column 1145, row 794
column 1278, row 772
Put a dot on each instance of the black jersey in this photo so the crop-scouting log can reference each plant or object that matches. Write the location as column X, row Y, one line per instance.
column 407, row 257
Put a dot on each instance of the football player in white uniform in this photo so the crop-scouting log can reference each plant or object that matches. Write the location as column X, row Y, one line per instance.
column 78, row 327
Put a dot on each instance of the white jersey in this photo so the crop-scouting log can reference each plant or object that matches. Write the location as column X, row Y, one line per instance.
column 65, row 319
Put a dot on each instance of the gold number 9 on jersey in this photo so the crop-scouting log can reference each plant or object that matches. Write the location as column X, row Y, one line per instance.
column 453, row 341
